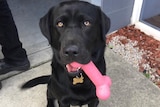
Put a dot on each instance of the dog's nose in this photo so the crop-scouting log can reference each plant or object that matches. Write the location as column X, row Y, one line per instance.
column 71, row 51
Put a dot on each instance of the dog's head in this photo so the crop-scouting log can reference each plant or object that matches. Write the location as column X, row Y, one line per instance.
column 76, row 31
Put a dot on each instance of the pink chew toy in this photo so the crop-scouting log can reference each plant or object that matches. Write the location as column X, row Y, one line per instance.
column 101, row 82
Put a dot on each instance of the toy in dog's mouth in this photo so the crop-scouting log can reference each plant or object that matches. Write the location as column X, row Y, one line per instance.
column 101, row 82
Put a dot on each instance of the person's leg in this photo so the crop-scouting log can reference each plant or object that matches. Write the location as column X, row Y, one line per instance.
column 0, row 85
column 12, row 49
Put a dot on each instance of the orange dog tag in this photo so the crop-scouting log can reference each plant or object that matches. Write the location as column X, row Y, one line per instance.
column 77, row 79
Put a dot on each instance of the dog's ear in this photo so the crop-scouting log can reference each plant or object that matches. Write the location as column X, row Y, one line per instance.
column 104, row 24
column 45, row 24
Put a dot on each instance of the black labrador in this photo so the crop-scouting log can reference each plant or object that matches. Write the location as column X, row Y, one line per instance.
column 76, row 32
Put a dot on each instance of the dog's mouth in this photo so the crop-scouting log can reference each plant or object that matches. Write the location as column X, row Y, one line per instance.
column 72, row 69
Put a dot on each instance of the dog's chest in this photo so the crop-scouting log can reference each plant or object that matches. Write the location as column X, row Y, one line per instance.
column 78, row 79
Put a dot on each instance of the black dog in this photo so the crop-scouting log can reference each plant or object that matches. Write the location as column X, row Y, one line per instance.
column 76, row 32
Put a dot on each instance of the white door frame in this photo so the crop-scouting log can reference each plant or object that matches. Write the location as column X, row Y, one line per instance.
column 135, row 19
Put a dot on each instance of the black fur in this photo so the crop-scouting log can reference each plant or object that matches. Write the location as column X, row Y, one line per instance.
column 76, row 31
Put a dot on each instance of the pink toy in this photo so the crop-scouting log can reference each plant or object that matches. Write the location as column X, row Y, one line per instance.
column 101, row 82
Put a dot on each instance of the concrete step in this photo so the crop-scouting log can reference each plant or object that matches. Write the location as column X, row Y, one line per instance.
column 38, row 54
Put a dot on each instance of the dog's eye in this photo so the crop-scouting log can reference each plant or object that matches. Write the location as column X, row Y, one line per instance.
column 60, row 24
column 87, row 23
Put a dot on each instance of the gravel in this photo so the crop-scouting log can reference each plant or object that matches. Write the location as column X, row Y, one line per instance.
column 135, row 54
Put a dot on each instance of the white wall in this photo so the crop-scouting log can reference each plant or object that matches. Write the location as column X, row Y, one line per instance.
column 97, row 2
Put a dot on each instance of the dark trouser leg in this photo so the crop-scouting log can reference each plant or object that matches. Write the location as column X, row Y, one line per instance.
column 11, row 46
column 0, row 85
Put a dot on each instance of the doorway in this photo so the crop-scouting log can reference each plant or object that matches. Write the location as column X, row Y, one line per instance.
column 145, row 16
column 150, row 13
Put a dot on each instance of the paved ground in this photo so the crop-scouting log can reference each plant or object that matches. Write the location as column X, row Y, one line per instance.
column 129, row 89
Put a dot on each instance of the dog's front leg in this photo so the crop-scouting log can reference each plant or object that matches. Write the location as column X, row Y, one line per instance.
column 50, row 99
column 50, row 102
column 63, row 105
column 94, row 103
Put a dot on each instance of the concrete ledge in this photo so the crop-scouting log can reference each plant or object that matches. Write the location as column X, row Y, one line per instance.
column 37, row 58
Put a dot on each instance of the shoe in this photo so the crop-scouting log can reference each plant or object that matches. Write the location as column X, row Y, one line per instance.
column 5, row 67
